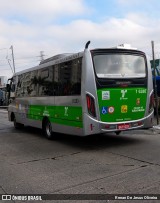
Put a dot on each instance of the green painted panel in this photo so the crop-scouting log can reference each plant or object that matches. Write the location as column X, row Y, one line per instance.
column 117, row 104
column 65, row 115
column 67, row 122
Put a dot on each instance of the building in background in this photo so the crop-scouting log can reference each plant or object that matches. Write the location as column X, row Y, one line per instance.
column 3, row 81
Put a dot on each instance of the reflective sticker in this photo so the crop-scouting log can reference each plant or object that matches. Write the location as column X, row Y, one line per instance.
column 123, row 92
column 105, row 95
column 138, row 101
column 104, row 110
column 123, row 96
column 110, row 109
column 124, row 109
column 66, row 111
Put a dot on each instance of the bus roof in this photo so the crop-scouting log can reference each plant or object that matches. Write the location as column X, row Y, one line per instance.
column 60, row 58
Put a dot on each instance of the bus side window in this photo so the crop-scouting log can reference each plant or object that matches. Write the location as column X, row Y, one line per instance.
column 34, row 83
column 76, row 76
column 45, row 82
column 68, row 76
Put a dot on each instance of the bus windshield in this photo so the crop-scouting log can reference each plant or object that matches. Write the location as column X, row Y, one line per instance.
column 119, row 65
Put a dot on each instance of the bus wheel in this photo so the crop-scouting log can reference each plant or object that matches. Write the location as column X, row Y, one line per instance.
column 118, row 132
column 47, row 129
column 17, row 125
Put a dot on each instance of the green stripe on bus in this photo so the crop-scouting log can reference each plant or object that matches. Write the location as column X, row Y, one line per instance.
column 64, row 115
column 67, row 122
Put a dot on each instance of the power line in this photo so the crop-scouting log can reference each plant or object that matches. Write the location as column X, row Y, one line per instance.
column 27, row 62
column 3, row 64
column 24, row 64
column 5, row 69
column 26, row 57
column 3, row 49
column 13, row 70
column 20, row 63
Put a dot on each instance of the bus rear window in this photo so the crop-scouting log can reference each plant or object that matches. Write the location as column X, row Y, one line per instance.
column 119, row 66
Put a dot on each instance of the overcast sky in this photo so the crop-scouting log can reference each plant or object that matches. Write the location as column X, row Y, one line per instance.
column 64, row 26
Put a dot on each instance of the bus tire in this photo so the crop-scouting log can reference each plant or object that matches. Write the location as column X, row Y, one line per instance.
column 17, row 125
column 47, row 129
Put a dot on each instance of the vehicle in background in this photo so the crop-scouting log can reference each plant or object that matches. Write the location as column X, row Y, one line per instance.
column 157, row 72
column 1, row 97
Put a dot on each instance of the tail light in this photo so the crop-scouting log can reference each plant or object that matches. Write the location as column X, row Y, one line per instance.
column 91, row 105
column 151, row 103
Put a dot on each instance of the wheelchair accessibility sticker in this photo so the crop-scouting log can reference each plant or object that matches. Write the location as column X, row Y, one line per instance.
column 106, row 109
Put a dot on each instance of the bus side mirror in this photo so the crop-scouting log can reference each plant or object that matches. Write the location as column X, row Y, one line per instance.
column 8, row 88
column 13, row 88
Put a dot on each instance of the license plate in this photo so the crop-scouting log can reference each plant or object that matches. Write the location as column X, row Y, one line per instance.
column 123, row 126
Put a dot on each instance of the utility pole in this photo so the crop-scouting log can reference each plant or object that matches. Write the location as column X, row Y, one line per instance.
column 155, row 83
column 13, row 59
column 42, row 55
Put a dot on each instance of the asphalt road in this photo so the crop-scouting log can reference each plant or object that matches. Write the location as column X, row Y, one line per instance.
column 128, row 163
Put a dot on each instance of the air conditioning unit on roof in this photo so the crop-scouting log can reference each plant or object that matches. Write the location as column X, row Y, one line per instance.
column 125, row 46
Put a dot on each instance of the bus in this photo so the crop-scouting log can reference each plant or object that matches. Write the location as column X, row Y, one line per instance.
column 91, row 92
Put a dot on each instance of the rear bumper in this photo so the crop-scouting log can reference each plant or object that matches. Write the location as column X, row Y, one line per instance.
column 93, row 126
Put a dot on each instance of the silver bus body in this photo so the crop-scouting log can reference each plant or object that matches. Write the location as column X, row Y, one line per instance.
column 79, row 114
